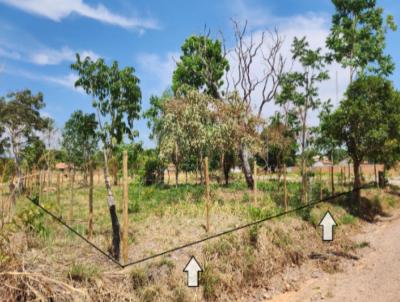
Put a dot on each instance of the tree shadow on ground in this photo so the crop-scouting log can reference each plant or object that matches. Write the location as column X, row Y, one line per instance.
column 368, row 209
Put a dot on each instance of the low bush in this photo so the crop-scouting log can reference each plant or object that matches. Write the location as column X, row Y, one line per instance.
column 83, row 273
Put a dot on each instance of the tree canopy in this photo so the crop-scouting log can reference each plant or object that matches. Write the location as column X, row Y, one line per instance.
column 357, row 37
column 202, row 66
column 80, row 139
column 367, row 121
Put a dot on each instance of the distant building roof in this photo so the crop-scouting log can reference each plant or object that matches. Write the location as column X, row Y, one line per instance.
column 63, row 166
column 318, row 164
column 345, row 162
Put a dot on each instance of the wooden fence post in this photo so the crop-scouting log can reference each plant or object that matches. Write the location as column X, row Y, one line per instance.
column 40, row 185
column 71, row 201
column 2, row 199
column 207, row 181
column 125, row 209
column 58, row 194
column 90, row 222
column 285, row 195
column 255, row 181
column 320, row 184
column 344, row 176
column 332, row 180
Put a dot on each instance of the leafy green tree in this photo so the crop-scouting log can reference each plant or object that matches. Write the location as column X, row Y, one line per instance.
column 367, row 120
column 134, row 155
column 116, row 99
column 235, row 127
column 202, row 66
column 187, row 128
column 80, row 139
column 155, row 114
column 4, row 145
column 21, row 120
column 357, row 37
column 34, row 153
column 300, row 90
column 389, row 152
column 279, row 138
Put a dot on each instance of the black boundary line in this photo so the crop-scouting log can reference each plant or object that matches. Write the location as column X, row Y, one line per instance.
column 75, row 232
column 310, row 204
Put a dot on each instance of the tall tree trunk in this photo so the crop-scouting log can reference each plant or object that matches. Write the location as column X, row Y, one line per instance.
column 222, row 166
column 227, row 169
column 201, row 169
column 176, row 175
column 357, row 182
column 116, row 239
column 244, row 157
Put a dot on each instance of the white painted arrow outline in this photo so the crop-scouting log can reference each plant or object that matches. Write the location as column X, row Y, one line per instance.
column 328, row 224
column 192, row 269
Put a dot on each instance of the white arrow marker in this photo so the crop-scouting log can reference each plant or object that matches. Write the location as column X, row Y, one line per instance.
column 192, row 269
column 327, row 224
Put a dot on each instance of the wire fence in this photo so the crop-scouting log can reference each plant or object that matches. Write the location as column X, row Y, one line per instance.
column 59, row 194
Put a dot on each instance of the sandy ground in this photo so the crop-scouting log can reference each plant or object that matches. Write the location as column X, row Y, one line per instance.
column 375, row 277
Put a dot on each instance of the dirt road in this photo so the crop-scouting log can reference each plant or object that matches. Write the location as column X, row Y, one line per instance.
column 375, row 277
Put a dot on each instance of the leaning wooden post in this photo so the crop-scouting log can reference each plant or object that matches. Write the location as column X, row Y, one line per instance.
column 255, row 181
column 332, row 180
column 285, row 195
column 207, row 181
column 125, row 209
column 90, row 222
column 58, row 194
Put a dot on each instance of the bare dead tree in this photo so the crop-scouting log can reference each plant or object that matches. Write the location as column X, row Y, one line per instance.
column 250, row 53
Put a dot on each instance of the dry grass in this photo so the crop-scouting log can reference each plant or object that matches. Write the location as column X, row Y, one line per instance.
column 55, row 264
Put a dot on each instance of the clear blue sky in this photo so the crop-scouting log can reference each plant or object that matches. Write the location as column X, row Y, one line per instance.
column 38, row 39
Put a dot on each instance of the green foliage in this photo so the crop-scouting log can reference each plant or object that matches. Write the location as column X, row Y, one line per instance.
column 279, row 138
column 152, row 168
column 187, row 127
column 299, row 93
column 357, row 37
column 79, row 138
column 20, row 121
column 282, row 238
column 116, row 96
column 134, row 207
column 367, row 120
column 135, row 156
column 222, row 247
column 34, row 220
column 300, row 89
column 209, row 280
column 201, row 66
column 83, row 273
column 139, row 278
column 33, row 153
column 155, row 114
column 347, row 219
